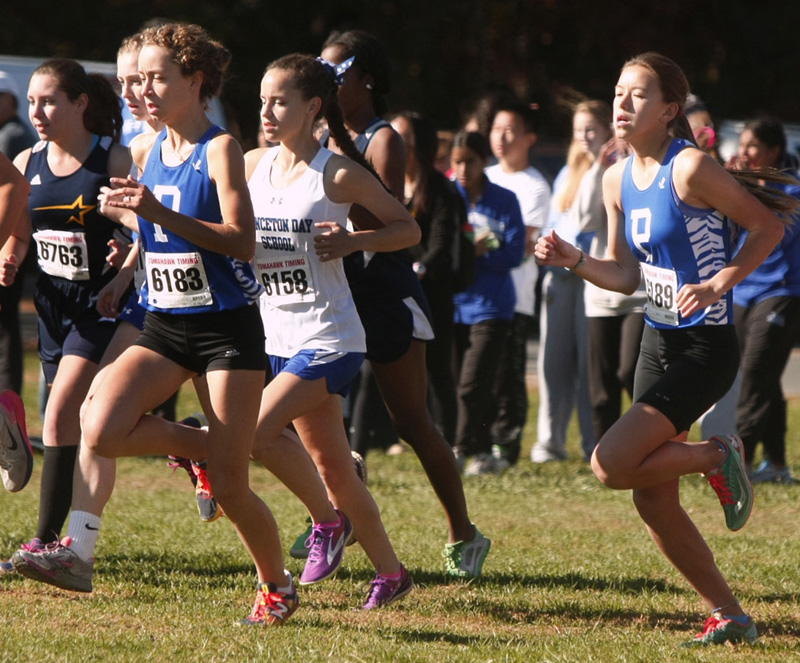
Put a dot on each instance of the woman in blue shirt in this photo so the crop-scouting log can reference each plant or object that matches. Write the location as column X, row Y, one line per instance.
column 767, row 315
column 483, row 312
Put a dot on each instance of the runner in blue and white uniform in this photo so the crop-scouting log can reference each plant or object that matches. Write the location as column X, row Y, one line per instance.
column 667, row 206
column 196, row 225
column 302, row 194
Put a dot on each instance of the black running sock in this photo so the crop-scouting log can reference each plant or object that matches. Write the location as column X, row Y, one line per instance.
column 55, row 496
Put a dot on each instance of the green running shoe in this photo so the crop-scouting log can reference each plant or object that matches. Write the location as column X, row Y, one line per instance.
column 300, row 547
column 729, row 480
column 719, row 631
column 464, row 559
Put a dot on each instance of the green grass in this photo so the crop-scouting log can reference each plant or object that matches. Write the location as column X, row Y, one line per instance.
column 572, row 576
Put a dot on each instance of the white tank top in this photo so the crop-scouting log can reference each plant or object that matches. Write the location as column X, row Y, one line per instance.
column 307, row 304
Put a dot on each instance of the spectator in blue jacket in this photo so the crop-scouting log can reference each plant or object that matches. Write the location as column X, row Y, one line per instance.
column 767, row 316
column 484, row 311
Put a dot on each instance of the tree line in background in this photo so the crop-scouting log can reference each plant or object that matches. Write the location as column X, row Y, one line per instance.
column 741, row 57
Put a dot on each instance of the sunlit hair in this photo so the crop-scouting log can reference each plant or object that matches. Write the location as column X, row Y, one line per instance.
column 313, row 79
column 675, row 89
column 370, row 58
column 578, row 161
column 103, row 114
column 132, row 44
column 193, row 50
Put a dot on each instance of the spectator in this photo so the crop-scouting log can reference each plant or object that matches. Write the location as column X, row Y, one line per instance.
column 767, row 317
column 439, row 210
column 615, row 320
column 484, row 311
column 512, row 136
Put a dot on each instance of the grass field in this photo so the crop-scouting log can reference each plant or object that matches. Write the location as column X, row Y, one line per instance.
column 572, row 575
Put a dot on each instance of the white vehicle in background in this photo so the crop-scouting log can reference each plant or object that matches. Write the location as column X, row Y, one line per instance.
column 20, row 69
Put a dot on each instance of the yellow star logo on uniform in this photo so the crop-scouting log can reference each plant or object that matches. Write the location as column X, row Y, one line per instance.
column 78, row 208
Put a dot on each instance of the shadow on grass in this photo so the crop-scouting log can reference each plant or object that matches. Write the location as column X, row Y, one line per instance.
column 568, row 580
column 156, row 569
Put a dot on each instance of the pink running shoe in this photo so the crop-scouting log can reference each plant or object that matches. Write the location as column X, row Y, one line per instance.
column 16, row 455
column 326, row 550
column 384, row 591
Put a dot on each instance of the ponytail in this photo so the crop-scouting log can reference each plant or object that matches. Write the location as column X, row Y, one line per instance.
column 339, row 133
column 313, row 78
column 682, row 129
column 103, row 115
column 784, row 205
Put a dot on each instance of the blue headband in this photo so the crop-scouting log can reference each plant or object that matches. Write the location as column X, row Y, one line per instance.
column 337, row 70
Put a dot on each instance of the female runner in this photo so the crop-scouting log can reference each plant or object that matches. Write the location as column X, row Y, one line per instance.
column 196, row 227
column 390, row 300
column 302, row 194
column 667, row 206
column 77, row 117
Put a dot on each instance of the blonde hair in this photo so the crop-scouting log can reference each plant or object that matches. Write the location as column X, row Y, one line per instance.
column 579, row 161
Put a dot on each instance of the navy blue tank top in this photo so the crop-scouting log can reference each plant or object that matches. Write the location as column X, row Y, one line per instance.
column 71, row 235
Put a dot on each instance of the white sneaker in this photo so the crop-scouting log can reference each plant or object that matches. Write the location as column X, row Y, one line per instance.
column 56, row 564
column 484, row 463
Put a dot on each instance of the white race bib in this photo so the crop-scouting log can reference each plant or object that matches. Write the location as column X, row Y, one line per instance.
column 662, row 291
column 63, row 254
column 177, row 280
column 286, row 279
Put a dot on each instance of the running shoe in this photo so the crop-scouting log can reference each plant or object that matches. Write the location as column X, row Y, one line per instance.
column 768, row 472
column 326, row 550
column 729, row 480
column 179, row 462
column 384, row 591
column 196, row 420
column 485, row 463
column 16, row 455
column 32, row 545
column 300, row 548
column 464, row 559
column 719, row 631
column 56, row 564
column 272, row 606
column 206, row 502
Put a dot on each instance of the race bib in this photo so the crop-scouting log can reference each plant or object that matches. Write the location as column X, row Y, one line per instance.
column 176, row 280
column 662, row 290
column 63, row 254
column 286, row 280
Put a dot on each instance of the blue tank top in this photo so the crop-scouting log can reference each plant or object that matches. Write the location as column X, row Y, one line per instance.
column 181, row 277
column 71, row 235
column 675, row 244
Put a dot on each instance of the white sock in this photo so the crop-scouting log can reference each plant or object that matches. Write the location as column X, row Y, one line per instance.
column 84, row 528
